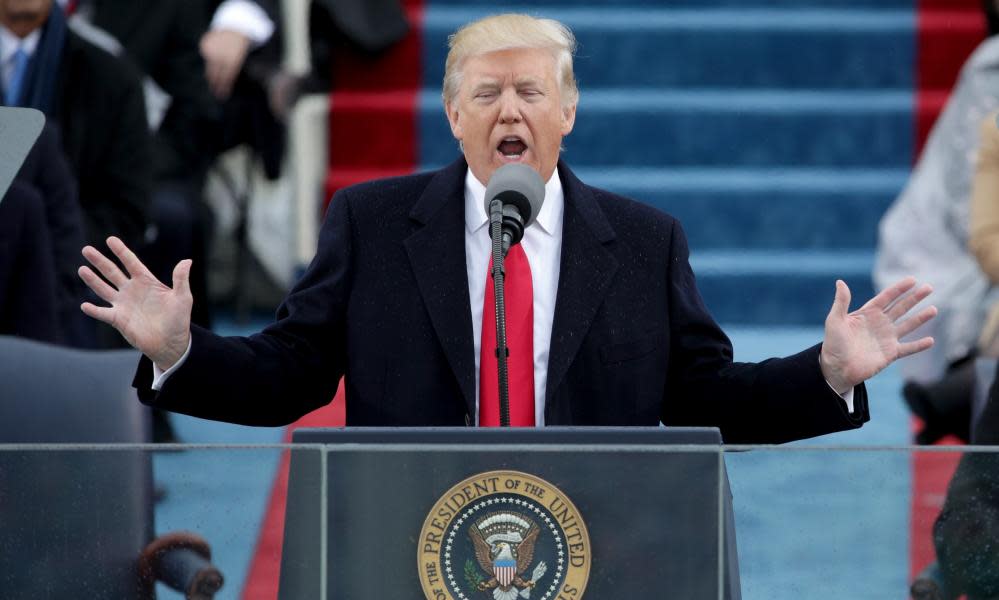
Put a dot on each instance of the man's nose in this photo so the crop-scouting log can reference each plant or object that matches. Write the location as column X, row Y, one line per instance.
column 509, row 107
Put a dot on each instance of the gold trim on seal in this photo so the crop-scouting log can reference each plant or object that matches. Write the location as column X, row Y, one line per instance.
column 454, row 504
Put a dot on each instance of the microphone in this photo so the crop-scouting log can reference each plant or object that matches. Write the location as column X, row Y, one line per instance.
column 514, row 196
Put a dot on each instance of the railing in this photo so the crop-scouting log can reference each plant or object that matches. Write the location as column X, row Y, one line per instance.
column 811, row 522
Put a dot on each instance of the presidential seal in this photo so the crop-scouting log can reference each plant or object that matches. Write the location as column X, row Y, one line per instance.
column 504, row 535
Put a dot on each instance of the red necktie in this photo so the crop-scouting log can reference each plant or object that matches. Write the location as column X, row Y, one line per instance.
column 520, row 342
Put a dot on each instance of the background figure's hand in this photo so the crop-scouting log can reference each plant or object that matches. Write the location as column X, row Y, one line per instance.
column 152, row 317
column 859, row 344
column 224, row 51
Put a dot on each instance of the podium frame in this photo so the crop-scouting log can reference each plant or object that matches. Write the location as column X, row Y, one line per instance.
column 320, row 509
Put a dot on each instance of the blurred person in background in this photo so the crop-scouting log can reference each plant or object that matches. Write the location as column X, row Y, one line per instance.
column 241, row 49
column 47, row 171
column 192, row 54
column 161, row 39
column 966, row 530
column 96, row 101
column 925, row 233
column 27, row 271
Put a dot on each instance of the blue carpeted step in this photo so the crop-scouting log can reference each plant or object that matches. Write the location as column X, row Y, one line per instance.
column 772, row 128
column 762, row 48
column 779, row 288
column 763, row 209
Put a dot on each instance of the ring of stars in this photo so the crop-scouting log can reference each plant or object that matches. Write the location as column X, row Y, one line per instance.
column 497, row 502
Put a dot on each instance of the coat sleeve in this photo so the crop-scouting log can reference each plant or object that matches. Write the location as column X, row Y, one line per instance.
column 290, row 368
column 774, row 401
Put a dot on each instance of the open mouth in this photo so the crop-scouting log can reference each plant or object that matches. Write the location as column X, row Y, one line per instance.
column 512, row 147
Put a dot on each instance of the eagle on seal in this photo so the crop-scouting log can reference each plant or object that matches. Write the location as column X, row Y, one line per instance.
column 506, row 556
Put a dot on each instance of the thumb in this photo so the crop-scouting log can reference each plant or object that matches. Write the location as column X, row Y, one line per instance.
column 841, row 304
column 182, row 277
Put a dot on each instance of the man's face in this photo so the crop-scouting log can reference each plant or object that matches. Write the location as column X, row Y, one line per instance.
column 22, row 17
column 509, row 109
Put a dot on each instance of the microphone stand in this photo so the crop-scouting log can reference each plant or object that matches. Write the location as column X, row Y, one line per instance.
column 498, row 275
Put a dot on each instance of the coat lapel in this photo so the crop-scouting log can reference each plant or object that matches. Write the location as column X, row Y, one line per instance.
column 586, row 271
column 436, row 253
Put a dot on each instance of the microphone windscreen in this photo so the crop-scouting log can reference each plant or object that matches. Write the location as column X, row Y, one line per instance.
column 519, row 185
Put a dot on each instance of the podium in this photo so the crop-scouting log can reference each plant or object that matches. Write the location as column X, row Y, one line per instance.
column 504, row 514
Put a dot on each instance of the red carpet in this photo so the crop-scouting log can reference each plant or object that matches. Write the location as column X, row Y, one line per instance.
column 265, row 568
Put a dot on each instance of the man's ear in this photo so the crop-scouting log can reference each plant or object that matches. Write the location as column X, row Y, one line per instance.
column 452, row 118
column 568, row 119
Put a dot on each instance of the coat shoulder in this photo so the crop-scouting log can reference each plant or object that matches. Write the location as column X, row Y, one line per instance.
column 632, row 218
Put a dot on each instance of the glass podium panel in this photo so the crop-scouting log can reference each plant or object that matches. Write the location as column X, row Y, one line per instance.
column 545, row 515
column 827, row 523
column 80, row 521
column 454, row 518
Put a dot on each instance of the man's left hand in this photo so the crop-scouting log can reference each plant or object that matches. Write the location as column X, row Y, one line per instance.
column 859, row 344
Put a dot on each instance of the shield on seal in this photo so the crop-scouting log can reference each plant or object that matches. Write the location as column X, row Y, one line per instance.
column 505, row 570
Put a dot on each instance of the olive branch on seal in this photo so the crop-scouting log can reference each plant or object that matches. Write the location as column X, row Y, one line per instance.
column 472, row 575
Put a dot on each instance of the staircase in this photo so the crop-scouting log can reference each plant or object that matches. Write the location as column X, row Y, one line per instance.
column 777, row 131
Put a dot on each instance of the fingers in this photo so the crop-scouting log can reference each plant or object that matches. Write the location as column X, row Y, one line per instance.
column 182, row 276
column 100, row 313
column 891, row 294
column 841, row 303
column 905, row 303
column 913, row 323
column 128, row 258
column 108, row 269
column 102, row 289
column 919, row 345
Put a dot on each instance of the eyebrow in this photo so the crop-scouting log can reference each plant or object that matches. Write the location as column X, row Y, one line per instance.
column 492, row 83
column 529, row 80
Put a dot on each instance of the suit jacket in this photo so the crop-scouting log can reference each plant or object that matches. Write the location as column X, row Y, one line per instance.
column 102, row 118
column 385, row 303
column 162, row 38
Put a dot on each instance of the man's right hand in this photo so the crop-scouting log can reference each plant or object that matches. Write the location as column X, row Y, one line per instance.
column 152, row 317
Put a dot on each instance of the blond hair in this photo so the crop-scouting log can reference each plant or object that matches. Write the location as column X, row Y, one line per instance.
column 506, row 32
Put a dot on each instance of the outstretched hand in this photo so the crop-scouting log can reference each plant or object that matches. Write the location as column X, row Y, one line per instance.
column 152, row 317
column 859, row 344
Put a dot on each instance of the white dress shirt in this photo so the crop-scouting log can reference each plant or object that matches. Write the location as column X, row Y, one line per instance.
column 542, row 244
column 245, row 17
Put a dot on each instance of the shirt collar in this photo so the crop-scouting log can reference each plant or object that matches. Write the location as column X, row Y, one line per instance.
column 475, row 208
column 9, row 43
